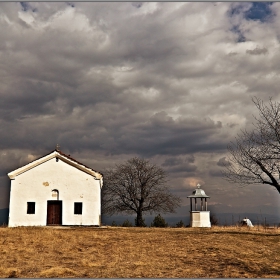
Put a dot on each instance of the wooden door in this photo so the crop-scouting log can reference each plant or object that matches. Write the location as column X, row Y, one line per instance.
column 54, row 212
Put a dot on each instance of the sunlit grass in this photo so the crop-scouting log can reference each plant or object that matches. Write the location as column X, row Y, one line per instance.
column 115, row 252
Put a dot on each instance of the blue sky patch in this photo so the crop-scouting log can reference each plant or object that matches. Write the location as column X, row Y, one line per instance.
column 241, row 37
column 25, row 6
column 259, row 11
column 70, row 4
column 256, row 11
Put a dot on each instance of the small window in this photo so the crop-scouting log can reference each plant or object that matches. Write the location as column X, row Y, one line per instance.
column 30, row 207
column 55, row 194
column 78, row 208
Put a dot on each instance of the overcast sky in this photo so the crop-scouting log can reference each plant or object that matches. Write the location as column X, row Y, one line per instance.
column 169, row 82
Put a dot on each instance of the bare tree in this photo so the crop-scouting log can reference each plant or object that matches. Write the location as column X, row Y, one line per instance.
column 255, row 155
column 137, row 186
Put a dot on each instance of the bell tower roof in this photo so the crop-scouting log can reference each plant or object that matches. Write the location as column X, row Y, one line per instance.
column 198, row 192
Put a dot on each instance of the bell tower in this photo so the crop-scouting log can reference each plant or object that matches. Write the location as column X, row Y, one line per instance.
column 199, row 216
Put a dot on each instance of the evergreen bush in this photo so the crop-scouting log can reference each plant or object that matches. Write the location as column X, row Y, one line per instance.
column 159, row 221
column 180, row 224
column 127, row 223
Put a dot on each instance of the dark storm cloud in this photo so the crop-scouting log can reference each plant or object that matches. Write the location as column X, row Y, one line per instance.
column 180, row 164
column 161, row 134
column 173, row 161
column 223, row 162
column 171, row 82
column 64, row 80
column 257, row 51
column 215, row 172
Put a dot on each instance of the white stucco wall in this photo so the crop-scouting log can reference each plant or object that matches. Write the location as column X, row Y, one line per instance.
column 200, row 219
column 36, row 185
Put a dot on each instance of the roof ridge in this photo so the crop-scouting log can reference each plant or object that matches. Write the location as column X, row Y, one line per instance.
column 69, row 157
column 74, row 162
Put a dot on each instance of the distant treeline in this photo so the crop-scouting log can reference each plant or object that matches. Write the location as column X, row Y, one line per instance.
column 223, row 219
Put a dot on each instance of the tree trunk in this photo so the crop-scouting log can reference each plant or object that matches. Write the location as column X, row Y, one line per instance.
column 139, row 222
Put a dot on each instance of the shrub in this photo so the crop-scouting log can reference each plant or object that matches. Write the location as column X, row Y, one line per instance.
column 213, row 220
column 180, row 224
column 126, row 223
column 159, row 222
column 114, row 224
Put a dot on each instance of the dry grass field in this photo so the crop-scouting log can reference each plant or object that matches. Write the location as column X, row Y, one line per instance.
column 115, row 252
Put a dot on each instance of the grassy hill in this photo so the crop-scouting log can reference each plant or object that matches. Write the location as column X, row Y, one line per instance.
column 115, row 252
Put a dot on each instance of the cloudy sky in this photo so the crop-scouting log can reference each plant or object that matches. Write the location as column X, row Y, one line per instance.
column 169, row 82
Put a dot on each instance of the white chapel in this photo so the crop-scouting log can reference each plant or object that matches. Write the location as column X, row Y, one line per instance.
column 55, row 190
